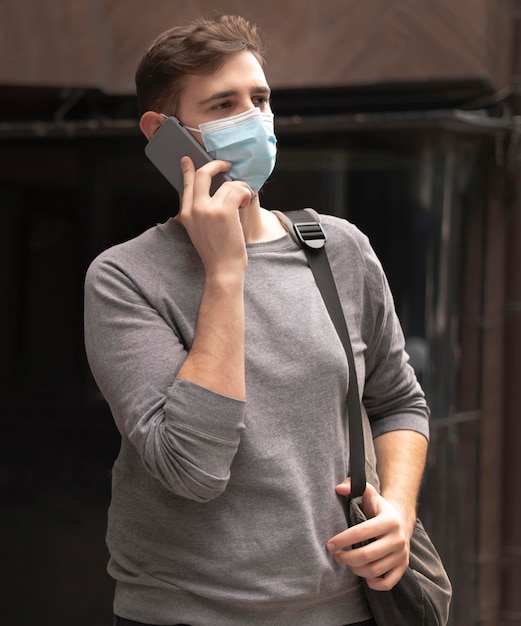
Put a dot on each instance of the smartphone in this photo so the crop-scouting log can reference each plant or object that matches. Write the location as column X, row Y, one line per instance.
column 171, row 142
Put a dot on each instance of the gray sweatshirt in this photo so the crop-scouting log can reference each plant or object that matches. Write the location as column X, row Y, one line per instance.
column 221, row 509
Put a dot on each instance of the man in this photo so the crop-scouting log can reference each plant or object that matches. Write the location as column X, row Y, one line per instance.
column 225, row 376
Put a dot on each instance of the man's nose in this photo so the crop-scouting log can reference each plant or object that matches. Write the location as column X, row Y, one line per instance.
column 246, row 105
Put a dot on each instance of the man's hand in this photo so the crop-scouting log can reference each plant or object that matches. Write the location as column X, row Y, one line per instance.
column 213, row 221
column 383, row 561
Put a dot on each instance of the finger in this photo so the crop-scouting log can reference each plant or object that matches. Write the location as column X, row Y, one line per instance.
column 362, row 533
column 205, row 174
column 242, row 192
column 344, row 488
column 188, row 169
column 248, row 196
column 369, row 561
column 236, row 194
column 387, row 581
column 376, row 525
column 370, row 498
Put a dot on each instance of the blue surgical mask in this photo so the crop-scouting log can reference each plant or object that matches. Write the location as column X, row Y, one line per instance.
column 246, row 140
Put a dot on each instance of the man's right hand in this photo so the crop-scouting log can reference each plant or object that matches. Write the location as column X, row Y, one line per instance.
column 213, row 222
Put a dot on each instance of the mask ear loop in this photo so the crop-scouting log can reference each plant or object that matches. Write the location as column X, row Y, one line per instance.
column 194, row 130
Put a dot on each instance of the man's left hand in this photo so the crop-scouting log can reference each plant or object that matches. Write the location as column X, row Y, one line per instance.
column 383, row 561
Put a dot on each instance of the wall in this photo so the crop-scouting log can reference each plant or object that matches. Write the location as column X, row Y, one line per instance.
column 96, row 43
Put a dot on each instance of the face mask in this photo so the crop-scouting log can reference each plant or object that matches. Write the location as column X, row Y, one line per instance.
column 246, row 140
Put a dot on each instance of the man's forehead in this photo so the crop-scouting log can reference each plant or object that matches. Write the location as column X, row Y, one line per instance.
column 240, row 71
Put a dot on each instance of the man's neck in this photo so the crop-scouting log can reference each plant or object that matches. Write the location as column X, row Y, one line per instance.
column 258, row 224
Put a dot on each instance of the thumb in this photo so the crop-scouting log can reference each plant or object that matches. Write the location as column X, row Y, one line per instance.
column 370, row 497
column 370, row 501
column 188, row 169
column 344, row 488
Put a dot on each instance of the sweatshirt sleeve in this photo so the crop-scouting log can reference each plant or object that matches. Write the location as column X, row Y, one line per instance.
column 392, row 395
column 187, row 436
column 390, row 391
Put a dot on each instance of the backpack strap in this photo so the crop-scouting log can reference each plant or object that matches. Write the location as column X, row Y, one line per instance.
column 305, row 229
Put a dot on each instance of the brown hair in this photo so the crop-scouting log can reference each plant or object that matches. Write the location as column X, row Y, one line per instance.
column 200, row 47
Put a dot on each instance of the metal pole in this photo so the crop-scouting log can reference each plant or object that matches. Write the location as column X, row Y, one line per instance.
column 511, row 523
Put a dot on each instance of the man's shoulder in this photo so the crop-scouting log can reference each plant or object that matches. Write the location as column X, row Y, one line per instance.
column 341, row 229
column 155, row 239
column 337, row 226
column 137, row 252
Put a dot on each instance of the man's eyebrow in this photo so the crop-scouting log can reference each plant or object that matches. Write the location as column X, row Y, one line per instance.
column 230, row 93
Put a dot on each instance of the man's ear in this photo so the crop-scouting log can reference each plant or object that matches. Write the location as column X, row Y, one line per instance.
column 150, row 122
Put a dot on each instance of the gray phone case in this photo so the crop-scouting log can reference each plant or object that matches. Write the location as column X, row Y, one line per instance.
column 171, row 142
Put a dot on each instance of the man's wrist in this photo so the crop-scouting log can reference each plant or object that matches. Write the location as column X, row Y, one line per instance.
column 406, row 510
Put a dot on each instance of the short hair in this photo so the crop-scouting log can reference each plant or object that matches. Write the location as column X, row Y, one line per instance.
column 200, row 48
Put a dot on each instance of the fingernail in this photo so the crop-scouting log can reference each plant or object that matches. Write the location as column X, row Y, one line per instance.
column 331, row 546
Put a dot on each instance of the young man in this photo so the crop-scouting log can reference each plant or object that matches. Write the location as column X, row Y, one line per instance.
column 211, row 343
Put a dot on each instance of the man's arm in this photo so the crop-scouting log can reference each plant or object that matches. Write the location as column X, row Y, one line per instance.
column 216, row 358
column 401, row 456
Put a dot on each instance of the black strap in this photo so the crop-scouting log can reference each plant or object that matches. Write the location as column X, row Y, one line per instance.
column 304, row 226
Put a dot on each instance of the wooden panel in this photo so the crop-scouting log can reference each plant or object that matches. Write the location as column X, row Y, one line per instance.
column 97, row 43
column 359, row 42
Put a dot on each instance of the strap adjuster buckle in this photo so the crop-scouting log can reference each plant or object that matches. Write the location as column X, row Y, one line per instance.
column 310, row 234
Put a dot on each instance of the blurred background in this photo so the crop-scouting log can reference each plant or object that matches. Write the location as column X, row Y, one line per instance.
column 402, row 116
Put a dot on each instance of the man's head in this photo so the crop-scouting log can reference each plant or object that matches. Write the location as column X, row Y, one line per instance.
column 199, row 48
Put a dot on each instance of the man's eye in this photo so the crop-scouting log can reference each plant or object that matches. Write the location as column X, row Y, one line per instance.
column 222, row 105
